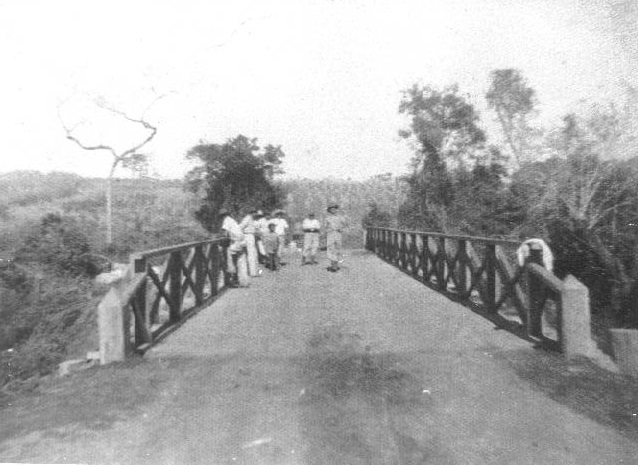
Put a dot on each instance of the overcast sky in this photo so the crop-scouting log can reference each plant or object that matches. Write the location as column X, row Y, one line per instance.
column 321, row 78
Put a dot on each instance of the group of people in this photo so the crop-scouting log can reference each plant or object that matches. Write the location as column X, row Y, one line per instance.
column 260, row 239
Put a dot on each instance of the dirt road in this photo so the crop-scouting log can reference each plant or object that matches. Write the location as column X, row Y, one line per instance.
column 364, row 366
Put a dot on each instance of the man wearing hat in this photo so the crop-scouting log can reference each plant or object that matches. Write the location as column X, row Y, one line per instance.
column 335, row 224
column 311, row 227
column 236, row 250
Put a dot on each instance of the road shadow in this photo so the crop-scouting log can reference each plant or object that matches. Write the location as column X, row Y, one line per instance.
column 363, row 408
column 605, row 397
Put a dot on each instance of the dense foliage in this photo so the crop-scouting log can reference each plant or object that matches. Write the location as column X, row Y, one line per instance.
column 235, row 175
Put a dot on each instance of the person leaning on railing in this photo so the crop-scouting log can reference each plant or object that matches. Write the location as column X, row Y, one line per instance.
column 237, row 248
column 524, row 251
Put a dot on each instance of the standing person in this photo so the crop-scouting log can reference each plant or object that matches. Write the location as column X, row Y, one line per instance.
column 281, row 228
column 335, row 224
column 271, row 240
column 236, row 250
column 311, row 228
column 261, row 227
column 249, row 228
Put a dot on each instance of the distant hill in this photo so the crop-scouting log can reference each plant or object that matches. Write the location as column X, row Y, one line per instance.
column 147, row 213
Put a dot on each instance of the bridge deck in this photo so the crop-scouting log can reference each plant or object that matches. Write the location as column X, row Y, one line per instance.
column 365, row 366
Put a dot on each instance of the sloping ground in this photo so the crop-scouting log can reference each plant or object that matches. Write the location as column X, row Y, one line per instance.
column 365, row 366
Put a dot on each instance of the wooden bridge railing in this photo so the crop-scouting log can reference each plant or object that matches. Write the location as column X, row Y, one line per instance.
column 156, row 292
column 483, row 273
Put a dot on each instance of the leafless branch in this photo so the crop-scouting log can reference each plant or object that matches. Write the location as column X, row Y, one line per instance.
column 71, row 137
column 122, row 156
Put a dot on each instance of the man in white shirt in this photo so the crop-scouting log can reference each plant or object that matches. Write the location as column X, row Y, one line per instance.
column 261, row 228
column 249, row 229
column 236, row 250
column 281, row 228
column 311, row 227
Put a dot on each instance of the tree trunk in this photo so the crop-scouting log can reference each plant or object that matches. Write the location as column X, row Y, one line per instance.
column 109, row 205
column 109, row 211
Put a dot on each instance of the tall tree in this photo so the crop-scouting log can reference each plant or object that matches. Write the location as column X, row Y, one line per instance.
column 234, row 175
column 444, row 128
column 130, row 157
column 513, row 101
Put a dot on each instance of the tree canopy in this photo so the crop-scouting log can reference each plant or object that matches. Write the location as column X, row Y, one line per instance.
column 514, row 102
column 235, row 175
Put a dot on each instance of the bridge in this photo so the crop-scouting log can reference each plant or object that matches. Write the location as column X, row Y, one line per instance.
column 424, row 348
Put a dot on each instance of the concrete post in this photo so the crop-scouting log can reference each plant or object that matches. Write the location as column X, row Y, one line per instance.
column 113, row 322
column 575, row 320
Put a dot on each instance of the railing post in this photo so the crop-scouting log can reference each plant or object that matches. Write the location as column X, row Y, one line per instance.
column 425, row 256
column 139, row 263
column 395, row 247
column 213, row 257
column 386, row 245
column 142, row 324
column 403, row 251
column 490, row 276
column 461, row 265
column 414, row 252
column 535, row 289
column 440, row 264
column 200, row 274
column 175, row 290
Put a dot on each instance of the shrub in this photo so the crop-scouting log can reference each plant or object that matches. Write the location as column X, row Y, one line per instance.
column 58, row 242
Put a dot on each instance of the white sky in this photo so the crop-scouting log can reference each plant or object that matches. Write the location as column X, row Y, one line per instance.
column 321, row 78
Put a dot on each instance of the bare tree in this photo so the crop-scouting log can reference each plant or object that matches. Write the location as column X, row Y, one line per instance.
column 129, row 158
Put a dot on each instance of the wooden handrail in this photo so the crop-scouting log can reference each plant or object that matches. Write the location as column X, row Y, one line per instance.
column 491, row 240
column 178, row 247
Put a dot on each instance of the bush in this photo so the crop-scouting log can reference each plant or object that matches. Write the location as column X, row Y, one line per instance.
column 58, row 242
